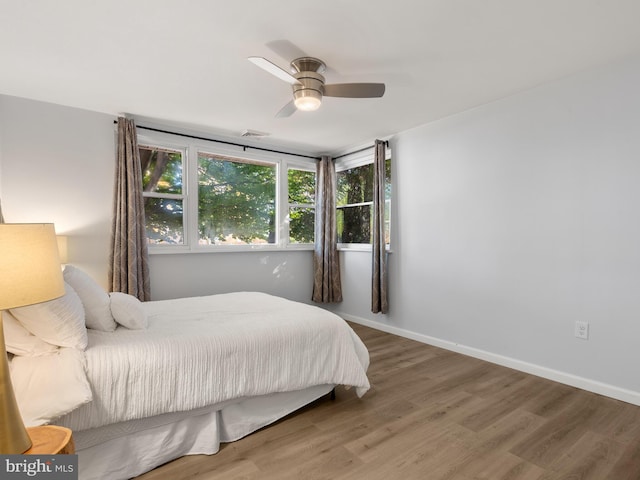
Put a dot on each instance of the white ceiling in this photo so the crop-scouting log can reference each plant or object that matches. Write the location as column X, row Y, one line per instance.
column 183, row 63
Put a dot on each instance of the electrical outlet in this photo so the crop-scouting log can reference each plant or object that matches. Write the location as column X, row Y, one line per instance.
column 582, row 330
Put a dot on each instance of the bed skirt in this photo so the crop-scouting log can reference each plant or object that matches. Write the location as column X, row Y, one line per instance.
column 125, row 450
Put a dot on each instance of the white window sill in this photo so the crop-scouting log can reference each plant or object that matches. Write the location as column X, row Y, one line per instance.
column 359, row 247
column 182, row 249
column 185, row 249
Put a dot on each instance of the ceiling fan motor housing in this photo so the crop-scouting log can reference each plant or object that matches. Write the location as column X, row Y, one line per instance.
column 307, row 64
column 307, row 94
column 309, row 81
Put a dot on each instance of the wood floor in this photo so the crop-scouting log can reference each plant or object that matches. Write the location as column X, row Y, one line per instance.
column 435, row 415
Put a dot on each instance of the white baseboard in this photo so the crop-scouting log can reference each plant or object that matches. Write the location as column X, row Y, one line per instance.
column 594, row 386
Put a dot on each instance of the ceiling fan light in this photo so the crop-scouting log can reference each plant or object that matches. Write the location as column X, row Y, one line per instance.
column 307, row 100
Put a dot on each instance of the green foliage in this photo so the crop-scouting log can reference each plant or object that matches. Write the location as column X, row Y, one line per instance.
column 236, row 201
column 301, row 225
column 355, row 185
column 162, row 174
column 163, row 218
column 302, row 186
column 161, row 170
column 354, row 188
column 302, row 192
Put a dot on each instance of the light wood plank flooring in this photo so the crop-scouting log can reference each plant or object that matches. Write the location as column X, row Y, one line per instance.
column 436, row 415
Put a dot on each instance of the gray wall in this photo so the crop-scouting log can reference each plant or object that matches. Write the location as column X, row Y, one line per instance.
column 57, row 166
column 516, row 219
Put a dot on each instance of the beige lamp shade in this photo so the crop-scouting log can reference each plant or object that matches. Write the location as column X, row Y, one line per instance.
column 29, row 264
column 63, row 248
column 29, row 273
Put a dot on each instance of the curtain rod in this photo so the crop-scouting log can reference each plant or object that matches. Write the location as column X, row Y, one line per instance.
column 244, row 147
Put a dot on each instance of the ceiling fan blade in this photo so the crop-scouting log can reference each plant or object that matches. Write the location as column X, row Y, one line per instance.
column 286, row 111
column 273, row 69
column 354, row 90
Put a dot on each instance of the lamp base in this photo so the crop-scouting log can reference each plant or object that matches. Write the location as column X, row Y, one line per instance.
column 14, row 438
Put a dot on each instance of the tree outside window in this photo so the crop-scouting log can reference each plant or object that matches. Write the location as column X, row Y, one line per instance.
column 302, row 197
column 163, row 194
column 354, row 203
column 236, row 201
column 248, row 201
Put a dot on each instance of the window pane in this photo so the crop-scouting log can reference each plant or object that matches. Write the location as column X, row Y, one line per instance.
column 387, row 222
column 355, row 185
column 236, row 201
column 355, row 203
column 301, row 223
column 302, row 187
column 163, row 219
column 161, row 170
column 387, row 180
column 387, row 201
column 354, row 224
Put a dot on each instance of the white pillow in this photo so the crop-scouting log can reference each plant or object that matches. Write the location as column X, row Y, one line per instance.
column 20, row 341
column 128, row 311
column 59, row 321
column 94, row 298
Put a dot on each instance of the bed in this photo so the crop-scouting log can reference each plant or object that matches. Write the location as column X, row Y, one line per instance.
column 181, row 377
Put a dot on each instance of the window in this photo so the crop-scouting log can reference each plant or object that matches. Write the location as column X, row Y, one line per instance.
column 354, row 203
column 302, row 197
column 203, row 196
column 163, row 194
column 236, row 201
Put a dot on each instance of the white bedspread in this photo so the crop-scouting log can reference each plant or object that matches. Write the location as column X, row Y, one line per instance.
column 205, row 350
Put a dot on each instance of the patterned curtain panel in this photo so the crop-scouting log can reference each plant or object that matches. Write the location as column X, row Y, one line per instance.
column 379, row 301
column 129, row 268
column 326, row 263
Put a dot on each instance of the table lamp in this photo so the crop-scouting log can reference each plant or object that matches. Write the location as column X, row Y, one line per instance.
column 29, row 273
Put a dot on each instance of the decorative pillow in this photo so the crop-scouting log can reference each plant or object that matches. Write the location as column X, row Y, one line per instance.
column 20, row 341
column 94, row 298
column 128, row 311
column 59, row 321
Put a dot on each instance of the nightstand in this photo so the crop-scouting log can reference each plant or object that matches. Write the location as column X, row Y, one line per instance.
column 50, row 440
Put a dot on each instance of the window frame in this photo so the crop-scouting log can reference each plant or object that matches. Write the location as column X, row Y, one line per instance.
column 143, row 143
column 360, row 159
column 288, row 206
column 191, row 148
column 236, row 159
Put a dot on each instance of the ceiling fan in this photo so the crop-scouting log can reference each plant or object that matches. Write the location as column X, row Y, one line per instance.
column 308, row 84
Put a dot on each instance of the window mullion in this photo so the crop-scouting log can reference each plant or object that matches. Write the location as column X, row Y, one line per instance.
column 282, row 201
column 191, row 216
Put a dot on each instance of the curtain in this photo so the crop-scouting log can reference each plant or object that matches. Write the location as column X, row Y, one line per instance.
column 326, row 262
column 1, row 216
column 128, row 266
column 379, row 301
